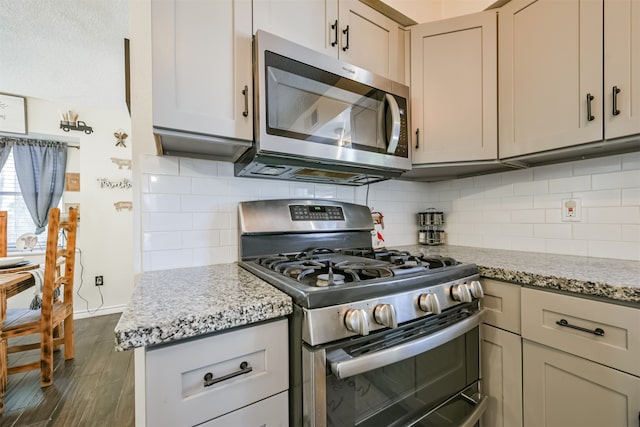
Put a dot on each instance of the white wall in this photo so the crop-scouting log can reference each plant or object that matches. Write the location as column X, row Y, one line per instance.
column 104, row 234
column 521, row 210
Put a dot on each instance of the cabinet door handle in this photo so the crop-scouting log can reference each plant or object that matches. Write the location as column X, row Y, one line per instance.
column 597, row 331
column 589, row 99
column 346, row 33
column 334, row 27
column 209, row 380
column 417, row 138
column 616, row 91
column 245, row 92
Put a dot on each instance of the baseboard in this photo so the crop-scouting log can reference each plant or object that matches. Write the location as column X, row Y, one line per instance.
column 81, row 314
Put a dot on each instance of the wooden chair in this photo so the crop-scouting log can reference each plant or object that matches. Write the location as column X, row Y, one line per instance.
column 54, row 321
column 3, row 234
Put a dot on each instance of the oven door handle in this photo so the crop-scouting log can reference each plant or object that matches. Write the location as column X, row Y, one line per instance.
column 345, row 366
column 477, row 412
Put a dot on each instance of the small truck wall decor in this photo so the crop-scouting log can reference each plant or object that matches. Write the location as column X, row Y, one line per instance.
column 79, row 126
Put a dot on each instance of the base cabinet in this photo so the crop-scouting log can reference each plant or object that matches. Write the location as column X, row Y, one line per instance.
column 501, row 356
column 563, row 390
column 271, row 412
column 235, row 378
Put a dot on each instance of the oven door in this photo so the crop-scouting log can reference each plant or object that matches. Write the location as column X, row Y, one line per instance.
column 413, row 376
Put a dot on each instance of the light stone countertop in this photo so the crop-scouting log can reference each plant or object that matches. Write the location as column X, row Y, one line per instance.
column 613, row 279
column 170, row 305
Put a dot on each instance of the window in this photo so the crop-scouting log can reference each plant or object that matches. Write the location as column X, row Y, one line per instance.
column 18, row 217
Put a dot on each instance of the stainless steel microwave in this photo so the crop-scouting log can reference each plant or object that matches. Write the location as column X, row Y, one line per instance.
column 320, row 119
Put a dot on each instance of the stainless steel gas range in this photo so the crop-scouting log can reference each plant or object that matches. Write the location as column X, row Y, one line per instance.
column 377, row 337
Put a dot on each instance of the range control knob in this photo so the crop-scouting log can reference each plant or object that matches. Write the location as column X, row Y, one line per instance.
column 385, row 314
column 356, row 320
column 429, row 303
column 476, row 289
column 461, row 293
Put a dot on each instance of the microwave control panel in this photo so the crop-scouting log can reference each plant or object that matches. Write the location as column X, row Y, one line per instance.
column 402, row 150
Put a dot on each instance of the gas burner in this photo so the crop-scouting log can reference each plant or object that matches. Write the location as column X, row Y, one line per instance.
column 392, row 255
column 435, row 261
column 327, row 279
column 313, row 252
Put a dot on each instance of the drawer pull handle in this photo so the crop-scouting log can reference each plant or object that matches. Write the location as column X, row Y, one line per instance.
column 597, row 331
column 209, row 380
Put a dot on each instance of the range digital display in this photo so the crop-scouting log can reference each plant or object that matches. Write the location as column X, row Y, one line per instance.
column 316, row 213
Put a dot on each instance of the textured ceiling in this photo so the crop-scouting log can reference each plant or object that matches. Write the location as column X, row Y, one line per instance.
column 64, row 50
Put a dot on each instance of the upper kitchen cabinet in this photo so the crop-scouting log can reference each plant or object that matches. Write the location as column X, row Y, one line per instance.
column 346, row 29
column 621, row 68
column 551, row 66
column 454, row 89
column 202, row 82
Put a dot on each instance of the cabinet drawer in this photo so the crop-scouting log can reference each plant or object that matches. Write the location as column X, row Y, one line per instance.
column 618, row 346
column 176, row 391
column 271, row 412
column 502, row 303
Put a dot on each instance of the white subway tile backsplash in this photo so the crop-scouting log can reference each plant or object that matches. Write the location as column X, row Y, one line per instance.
column 549, row 201
column 225, row 169
column 530, row 244
column 162, row 221
column 523, row 230
column 631, row 233
column 161, row 203
column 562, row 170
column 599, row 198
column 200, row 239
column 552, row 231
column 301, row 190
column 597, row 231
column 160, row 165
column 161, row 240
column 198, row 167
column 499, row 191
column 528, row 216
column 531, row 188
column 513, row 203
column 209, row 186
column 631, row 197
column 626, row 179
column 564, row 185
column 553, row 216
column 487, row 181
column 631, row 161
column 213, row 220
column 567, row 247
column 164, row 260
column 166, row 184
column 514, row 210
column 215, row 255
column 598, row 165
column 618, row 250
column 516, row 176
column 324, row 191
column 616, row 215
column 495, row 217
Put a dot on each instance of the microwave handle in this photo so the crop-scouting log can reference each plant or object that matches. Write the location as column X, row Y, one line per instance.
column 392, row 144
column 345, row 366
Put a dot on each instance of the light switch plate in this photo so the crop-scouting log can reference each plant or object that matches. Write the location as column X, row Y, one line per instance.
column 571, row 210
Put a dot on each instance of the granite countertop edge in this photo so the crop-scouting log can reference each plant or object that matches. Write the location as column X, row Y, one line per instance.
column 172, row 305
column 611, row 279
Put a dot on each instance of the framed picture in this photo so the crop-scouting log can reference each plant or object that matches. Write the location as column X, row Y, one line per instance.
column 72, row 181
column 13, row 114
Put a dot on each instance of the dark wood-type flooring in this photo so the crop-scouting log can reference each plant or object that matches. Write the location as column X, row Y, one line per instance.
column 93, row 389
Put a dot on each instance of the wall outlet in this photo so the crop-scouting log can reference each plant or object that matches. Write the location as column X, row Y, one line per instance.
column 571, row 210
column 99, row 281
